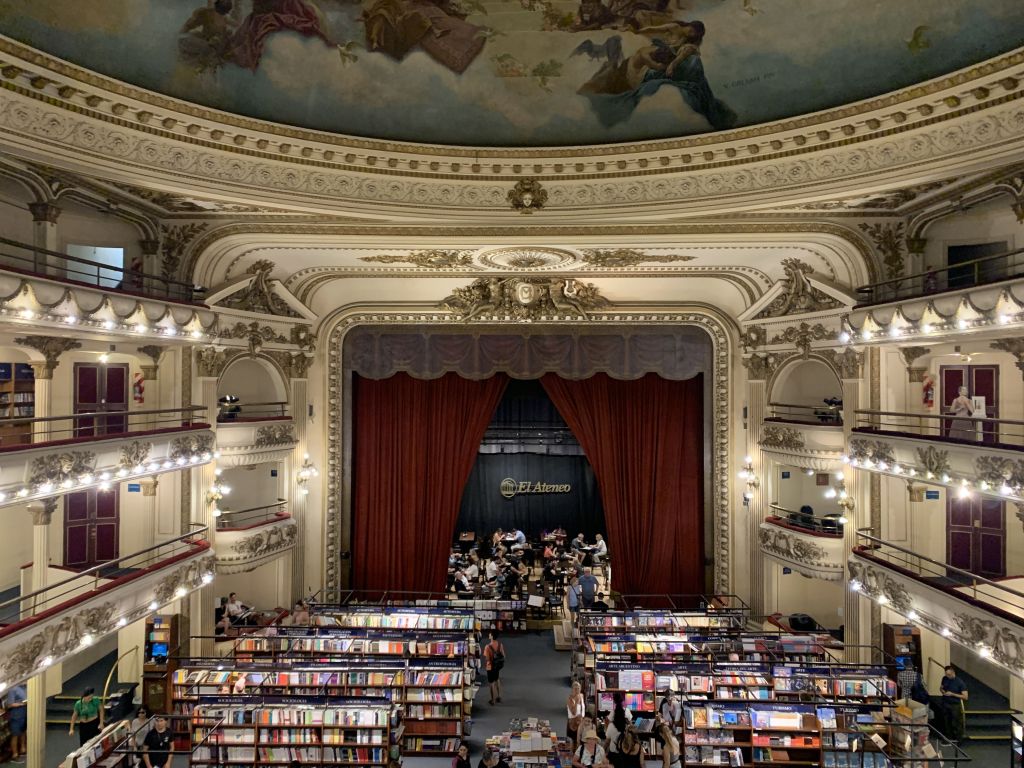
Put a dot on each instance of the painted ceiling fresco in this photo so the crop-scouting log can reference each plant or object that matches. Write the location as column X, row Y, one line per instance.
column 519, row 72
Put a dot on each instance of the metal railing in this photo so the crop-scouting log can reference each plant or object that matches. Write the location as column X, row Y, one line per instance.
column 89, row 580
column 953, row 277
column 829, row 526
column 240, row 519
column 950, row 579
column 31, row 259
column 227, row 413
column 967, row 429
column 36, row 430
column 828, row 414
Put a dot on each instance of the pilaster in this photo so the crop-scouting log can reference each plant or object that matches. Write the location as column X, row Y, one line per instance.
column 44, row 235
column 757, row 405
column 299, row 502
column 854, row 631
column 42, row 513
column 201, row 602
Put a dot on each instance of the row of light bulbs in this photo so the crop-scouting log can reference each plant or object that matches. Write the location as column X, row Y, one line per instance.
column 166, row 331
column 964, row 486
column 913, row 616
column 896, row 331
column 219, row 489
column 103, row 481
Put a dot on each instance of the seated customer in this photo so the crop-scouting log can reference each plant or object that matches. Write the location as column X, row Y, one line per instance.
column 600, row 549
column 472, row 571
column 520, row 540
column 491, row 759
column 462, row 583
column 491, row 570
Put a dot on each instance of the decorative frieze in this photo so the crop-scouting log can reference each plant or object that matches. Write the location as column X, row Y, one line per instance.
column 933, row 461
column 814, row 557
column 275, row 434
column 57, row 469
column 798, row 296
column 785, row 438
column 524, row 299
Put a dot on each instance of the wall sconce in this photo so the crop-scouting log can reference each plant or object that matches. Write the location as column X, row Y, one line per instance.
column 217, row 492
column 845, row 502
column 747, row 474
column 306, row 472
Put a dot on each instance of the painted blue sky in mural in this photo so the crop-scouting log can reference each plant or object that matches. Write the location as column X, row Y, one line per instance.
column 519, row 72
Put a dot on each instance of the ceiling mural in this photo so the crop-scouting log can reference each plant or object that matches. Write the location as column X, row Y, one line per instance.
column 519, row 72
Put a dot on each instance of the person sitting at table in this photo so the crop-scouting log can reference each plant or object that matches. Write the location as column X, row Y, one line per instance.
column 519, row 538
column 462, row 583
column 491, row 570
column 550, row 551
column 579, row 543
column 491, row 759
column 600, row 549
column 550, row 572
column 472, row 572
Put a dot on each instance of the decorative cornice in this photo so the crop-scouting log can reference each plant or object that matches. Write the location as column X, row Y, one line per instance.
column 258, row 295
column 274, row 434
column 802, row 553
column 801, row 336
column 524, row 298
column 50, row 347
column 785, row 438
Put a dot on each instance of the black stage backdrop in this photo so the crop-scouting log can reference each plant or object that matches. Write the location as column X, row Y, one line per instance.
column 484, row 509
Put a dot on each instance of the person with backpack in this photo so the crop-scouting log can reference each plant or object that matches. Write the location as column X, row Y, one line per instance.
column 590, row 753
column 670, row 709
column 911, row 685
column 494, row 659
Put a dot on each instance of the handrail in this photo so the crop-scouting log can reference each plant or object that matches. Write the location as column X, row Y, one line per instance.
column 945, row 416
column 87, row 414
column 972, row 430
column 972, row 578
column 178, row 289
column 822, row 407
column 110, row 674
column 95, row 571
column 833, row 528
column 928, row 279
column 243, row 411
column 42, row 430
column 268, row 514
column 825, row 413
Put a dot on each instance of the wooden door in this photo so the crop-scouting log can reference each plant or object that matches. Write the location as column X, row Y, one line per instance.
column 100, row 387
column 976, row 535
column 91, row 528
column 981, row 381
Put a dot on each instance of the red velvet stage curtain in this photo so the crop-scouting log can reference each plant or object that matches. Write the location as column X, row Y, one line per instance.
column 644, row 440
column 414, row 445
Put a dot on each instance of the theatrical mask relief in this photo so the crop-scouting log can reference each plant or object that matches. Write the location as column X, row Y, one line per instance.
column 519, row 72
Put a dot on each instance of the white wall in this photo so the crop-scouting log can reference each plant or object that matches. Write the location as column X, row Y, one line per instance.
column 989, row 222
column 794, row 593
column 807, row 382
column 800, row 488
column 252, row 380
column 252, row 486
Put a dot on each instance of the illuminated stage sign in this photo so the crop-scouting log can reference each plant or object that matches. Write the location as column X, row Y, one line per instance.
column 511, row 488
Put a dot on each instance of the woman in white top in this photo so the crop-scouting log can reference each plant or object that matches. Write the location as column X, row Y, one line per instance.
column 575, row 709
column 669, row 746
column 589, row 754
column 962, row 426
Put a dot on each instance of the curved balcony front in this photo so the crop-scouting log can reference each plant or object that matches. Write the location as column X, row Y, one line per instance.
column 810, row 546
column 248, row 538
column 254, row 433
column 808, row 436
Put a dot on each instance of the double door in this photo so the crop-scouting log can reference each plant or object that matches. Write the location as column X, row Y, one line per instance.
column 91, row 528
column 981, row 381
column 101, row 388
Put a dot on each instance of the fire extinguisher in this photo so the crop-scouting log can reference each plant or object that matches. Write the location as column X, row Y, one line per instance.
column 928, row 391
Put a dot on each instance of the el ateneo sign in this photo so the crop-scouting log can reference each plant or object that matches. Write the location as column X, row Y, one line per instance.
column 511, row 488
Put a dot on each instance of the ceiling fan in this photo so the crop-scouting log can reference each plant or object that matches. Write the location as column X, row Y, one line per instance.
column 965, row 357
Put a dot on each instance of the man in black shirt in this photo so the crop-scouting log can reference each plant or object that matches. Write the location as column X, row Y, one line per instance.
column 954, row 693
column 491, row 759
column 156, row 747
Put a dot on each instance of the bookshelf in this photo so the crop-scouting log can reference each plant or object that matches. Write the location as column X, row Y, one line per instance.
column 159, row 662
column 436, row 704
column 504, row 615
column 902, row 642
column 270, row 731
column 331, row 643
column 17, row 400
column 421, row 619
column 102, row 750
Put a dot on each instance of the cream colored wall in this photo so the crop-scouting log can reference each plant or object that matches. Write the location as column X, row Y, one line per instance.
column 81, row 225
column 989, row 222
column 15, row 219
column 254, row 381
column 800, row 489
column 266, row 587
column 807, row 382
column 252, row 486
column 793, row 593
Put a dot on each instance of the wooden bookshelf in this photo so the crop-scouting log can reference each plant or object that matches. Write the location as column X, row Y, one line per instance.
column 17, row 400
column 105, row 750
column 159, row 662
column 331, row 643
column 262, row 731
column 418, row 619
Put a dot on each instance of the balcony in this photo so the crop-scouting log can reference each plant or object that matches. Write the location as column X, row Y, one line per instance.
column 97, row 449
column 41, row 628
column 809, row 436
column 49, row 288
column 810, row 546
column 254, row 433
column 966, row 455
column 985, row 295
column 248, row 538
column 984, row 616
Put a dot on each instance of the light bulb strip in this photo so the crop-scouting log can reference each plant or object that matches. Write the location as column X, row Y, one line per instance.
column 161, row 329
column 962, row 486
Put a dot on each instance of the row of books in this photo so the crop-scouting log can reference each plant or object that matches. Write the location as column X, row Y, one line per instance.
column 432, row 711
column 350, row 646
column 423, row 622
column 712, row 756
column 299, row 715
column 307, row 754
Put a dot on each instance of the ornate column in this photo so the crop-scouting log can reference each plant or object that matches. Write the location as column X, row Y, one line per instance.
column 51, row 348
column 144, row 264
column 915, row 381
column 915, row 254
column 757, row 404
column 44, row 235
column 42, row 512
column 210, row 364
column 874, row 361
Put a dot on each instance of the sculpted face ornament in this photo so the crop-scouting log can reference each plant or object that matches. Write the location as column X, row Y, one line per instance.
column 527, row 196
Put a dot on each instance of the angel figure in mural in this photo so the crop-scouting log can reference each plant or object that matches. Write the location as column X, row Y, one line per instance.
column 672, row 59
column 439, row 27
column 270, row 16
column 207, row 37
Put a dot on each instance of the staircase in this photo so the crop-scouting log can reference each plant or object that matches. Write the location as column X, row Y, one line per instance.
column 987, row 724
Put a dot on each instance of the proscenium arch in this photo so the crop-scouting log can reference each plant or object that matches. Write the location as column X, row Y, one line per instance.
column 720, row 411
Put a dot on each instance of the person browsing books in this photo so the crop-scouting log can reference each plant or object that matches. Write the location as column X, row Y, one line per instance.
column 629, row 749
column 88, row 713
column 590, row 753
column 494, row 658
column 461, row 759
column 575, row 709
column 139, row 728
column 16, row 704
column 670, row 708
column 670, row 756
column 954, row 693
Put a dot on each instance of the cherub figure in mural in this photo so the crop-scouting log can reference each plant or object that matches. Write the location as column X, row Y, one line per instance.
column 208, row 36
column 439, row 27
column 621, row 14
column 672, row 59
column 270, row 16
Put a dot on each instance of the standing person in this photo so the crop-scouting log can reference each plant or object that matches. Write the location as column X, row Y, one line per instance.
column 616, row 727
column 589, row 754
column 16, row 703
column 156, row 747
column 88, row 712
column 494, row 657
column 961, row 426
column 669, row 746
column 588, row 588
column 139, row 728
column 630, row 750
column 574, row 595
column 461, row 759
column 575, row 709
column 670, row 708
column 954, row 693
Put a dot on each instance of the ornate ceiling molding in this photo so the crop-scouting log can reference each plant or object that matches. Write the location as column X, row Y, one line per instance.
column 86, row 120
column 336, row 495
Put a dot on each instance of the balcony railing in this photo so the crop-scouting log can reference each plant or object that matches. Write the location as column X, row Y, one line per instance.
column 29, row 608
column 994, row 433
column 37, row 431
column 827, row 414
column 829, row 526
column 30, row 259
column 955, row 277
column 227, row 413
column 957, row 582
column 242, row 519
